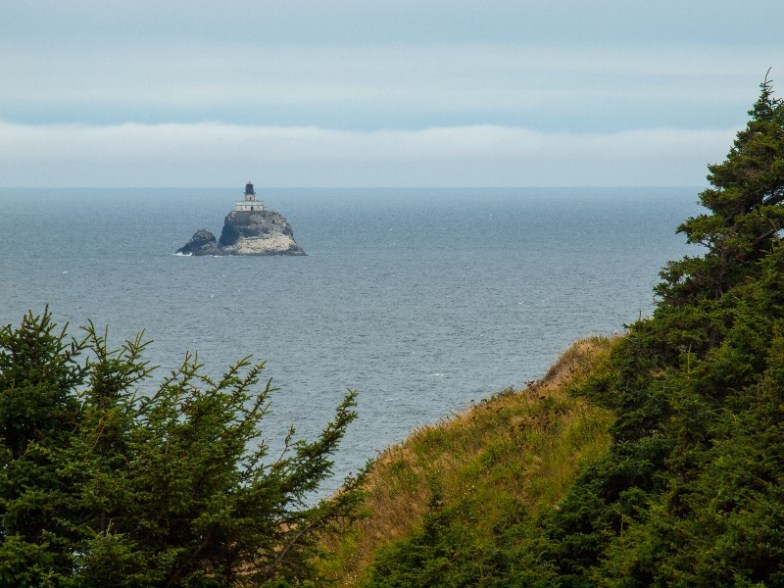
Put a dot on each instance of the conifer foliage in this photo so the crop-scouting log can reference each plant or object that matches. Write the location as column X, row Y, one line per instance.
column 691, row 492
column 101, row 485
column 744, row 215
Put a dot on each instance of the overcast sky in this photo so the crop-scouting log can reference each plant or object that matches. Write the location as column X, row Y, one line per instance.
column 378, row 92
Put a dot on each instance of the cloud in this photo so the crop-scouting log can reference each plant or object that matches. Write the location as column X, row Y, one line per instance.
column 210, row 154
column 376, row 86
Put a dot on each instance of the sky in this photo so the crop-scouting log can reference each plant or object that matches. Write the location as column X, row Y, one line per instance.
column 350, row 93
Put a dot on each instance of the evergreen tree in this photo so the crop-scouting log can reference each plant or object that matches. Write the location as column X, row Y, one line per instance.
column 745, row 213
column 103, row 486
column 681, row 500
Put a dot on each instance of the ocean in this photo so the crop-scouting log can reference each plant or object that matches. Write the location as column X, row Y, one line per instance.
column 423, row 300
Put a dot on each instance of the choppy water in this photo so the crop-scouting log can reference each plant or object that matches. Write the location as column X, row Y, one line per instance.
column 423, row 300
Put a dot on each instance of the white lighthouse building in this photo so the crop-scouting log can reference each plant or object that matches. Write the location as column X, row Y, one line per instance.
column 249, row 204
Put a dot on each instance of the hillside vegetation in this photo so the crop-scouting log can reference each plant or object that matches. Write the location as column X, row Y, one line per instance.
column 690, row 490
column 516, row 450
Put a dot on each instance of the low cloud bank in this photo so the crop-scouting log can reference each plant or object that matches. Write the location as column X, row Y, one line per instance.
column 212, row 154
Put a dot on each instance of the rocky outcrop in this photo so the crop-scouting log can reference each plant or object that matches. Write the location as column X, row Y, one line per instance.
column 259, row 232
column 202, row 243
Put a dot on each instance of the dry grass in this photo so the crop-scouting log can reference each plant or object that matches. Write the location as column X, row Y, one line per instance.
column 523, row 446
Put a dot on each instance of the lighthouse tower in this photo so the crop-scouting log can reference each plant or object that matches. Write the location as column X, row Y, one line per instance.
column 249, row 203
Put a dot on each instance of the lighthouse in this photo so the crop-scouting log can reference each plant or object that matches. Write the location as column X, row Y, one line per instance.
column 249, row 203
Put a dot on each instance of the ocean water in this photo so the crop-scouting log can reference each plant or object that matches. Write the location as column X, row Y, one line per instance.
column 422, row 300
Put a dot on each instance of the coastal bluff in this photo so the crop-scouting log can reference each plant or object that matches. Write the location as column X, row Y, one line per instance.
column 249, row 229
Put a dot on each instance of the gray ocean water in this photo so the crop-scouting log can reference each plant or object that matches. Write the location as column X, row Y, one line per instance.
column 423, row 300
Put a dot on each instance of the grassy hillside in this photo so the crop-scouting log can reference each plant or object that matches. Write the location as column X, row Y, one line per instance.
column 516, row 450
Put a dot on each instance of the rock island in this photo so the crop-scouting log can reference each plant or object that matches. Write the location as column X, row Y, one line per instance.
column 249, row 229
